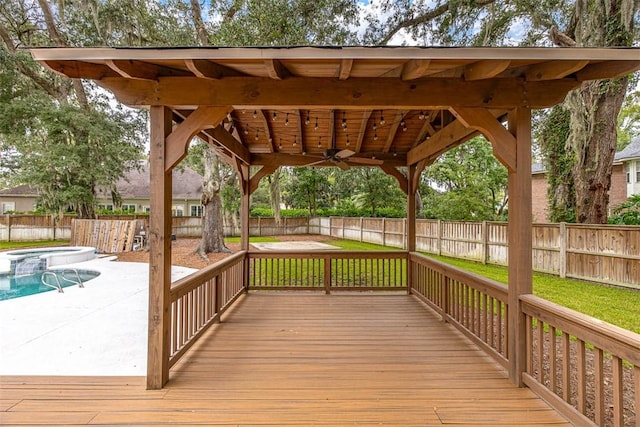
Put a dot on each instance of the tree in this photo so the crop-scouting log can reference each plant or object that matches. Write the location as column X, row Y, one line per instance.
column 61, row 138
column 309, row 188
column 466, row 183
column 594, row 107
column 370, row 190
column 558, row 160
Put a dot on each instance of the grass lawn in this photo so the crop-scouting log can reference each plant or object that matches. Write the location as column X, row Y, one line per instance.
column 612, row 304
column 5, row 246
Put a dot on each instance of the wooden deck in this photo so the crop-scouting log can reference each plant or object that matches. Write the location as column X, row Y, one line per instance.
column 300, row 359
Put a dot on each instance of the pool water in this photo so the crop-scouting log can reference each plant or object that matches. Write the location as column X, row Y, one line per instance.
column 20, row 286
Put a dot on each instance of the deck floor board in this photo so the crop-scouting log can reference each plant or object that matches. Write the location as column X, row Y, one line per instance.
column 300, row 359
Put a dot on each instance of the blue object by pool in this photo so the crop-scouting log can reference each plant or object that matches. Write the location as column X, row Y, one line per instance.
column 29, row 284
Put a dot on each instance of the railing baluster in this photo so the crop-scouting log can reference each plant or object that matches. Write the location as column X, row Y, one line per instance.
column 598, row 362
column 582, row 383
column 552, row 359
column 618, row 391
column 566, row 369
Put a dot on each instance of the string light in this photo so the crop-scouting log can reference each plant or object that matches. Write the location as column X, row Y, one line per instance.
column 286, row 120
column 422, row 115
column 246, row 131
column 348, row 142
column 295, row 141
column 404, row 126
column 382, row 122
column 257, row 136
column 375, row 135
column 307, row 120
column 275, row 116
column 319, row 142
column 280, row 145
column 344, row 121
column 316, row 126
column 255, row 114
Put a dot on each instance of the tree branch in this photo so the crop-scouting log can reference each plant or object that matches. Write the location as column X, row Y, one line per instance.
column 426, row 17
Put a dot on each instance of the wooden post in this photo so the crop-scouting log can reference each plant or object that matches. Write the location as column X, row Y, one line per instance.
column 563, row 249
column 485, row 242
column 520, row 241
column 384, row 232
column 439, row 252
column 411, row 223
column 159, row 251
column 244, row 222
column 361, row 226
column 8, row 228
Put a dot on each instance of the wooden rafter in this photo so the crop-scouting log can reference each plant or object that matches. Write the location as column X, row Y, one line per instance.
column 332, row 128
column 299, row 135
column 415, row 69
column 607, row 70
column 267, row 130
column 345, row 69
column 363, row 129
column 276, row 69
column 80, row 70
column 132, row 69
column 206, row 69
column 553, row 70
column 485, row 69
column 393, row 130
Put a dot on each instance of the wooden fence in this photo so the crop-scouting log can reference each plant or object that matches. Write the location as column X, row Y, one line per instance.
column 600, row 253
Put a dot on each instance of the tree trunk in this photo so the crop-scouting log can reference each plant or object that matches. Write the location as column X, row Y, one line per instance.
column 593, row 138
column 274, row 194
column 212, row 223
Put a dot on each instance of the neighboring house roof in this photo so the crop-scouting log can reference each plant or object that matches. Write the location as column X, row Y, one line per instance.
column 187, row 184
column 20, row 190
column 537, row 168
column 631, row 151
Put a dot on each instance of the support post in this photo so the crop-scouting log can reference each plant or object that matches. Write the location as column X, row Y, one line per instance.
column 411, row 223
column 520, row 238
column 563, row 250
column 159, row 251
column 244, row 221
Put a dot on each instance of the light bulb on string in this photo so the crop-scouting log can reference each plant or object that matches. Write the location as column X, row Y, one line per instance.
column 307, row 120
column 286, row 120
column 382, row 122
column 316, row 126
column 255, row 114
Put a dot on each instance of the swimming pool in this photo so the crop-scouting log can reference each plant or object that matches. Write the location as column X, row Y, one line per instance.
column 30, row 284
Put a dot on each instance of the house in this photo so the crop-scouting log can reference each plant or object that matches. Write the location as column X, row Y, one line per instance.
column 133, row 190
column 630, row 158
column 625, row 181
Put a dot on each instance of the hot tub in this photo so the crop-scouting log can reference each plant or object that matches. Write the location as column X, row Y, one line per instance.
column 27, row 261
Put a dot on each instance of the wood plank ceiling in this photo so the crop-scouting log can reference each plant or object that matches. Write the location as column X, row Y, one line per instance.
column 389, row 106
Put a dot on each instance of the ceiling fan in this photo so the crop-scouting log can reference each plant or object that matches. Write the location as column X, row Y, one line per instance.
column 339, row 156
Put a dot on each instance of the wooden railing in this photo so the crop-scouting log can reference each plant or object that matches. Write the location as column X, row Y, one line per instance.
column 328, row 270
column 475, row 305
column 587, row 369
column 198, row 301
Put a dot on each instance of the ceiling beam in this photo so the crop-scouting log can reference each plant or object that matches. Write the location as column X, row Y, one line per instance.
column 553, row 70
column 225, row 139
column 485, row 69
column 354, row 93
column 283, row 159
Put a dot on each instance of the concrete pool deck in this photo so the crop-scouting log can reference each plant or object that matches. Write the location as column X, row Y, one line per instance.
column 100, row 329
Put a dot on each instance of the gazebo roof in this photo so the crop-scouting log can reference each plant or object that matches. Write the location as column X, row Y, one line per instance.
column 288, row 105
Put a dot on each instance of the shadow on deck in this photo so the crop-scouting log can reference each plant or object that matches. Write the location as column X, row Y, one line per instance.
column 301, row 359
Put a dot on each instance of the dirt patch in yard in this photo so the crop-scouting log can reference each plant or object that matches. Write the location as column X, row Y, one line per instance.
column 183, row 251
